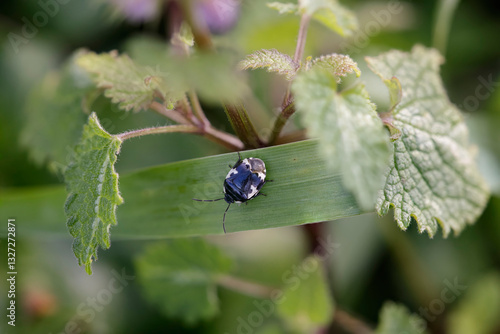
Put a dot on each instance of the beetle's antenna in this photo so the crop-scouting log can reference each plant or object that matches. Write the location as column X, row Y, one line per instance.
column 207, row 200
column 224, row 219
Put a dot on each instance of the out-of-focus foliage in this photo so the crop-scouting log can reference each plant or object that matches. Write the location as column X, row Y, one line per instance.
column 370, row 261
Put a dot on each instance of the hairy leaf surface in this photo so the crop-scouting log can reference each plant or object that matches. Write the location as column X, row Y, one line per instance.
column 433, row 177
column 273, row 60
column 93, row 194
column 131, row 85
column 351, row 135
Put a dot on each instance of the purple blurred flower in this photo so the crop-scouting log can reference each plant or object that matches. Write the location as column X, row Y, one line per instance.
column 137, row 10
column 219, row 15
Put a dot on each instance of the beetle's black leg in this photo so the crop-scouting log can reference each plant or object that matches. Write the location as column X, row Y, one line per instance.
column 224, row 219
column 261, row 194
column 230, row 166
column 207, row 200
column 237, row 162
column 263, row 183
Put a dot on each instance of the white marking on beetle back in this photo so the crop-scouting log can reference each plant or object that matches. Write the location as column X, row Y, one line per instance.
column 232, row 172
column 253, row 191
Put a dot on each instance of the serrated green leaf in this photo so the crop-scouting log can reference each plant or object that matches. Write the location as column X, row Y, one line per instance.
column 351, row 135
column 130, row 85
column 432, row 176
column 337, row 64
column 331, row 14
column 284, row 8
column 306, row 303
column 274, row 60
column 55, row 115
column 179, row 275
column 478, row 311
column 93, row 195
column 396, row 319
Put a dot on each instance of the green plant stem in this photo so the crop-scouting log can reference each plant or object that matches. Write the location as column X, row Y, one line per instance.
column 442, row 23
column 280, row 122
column 198, row 111
column 156, row 130
column 243, row 126
column 287, row 106
column 245, row 287
column 299, row 52
column 168, row 113
column 188, row 112
column 301, row 39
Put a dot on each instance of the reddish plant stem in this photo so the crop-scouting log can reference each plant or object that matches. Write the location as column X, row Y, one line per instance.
column 168, row 113
column 299, row 52
column 287, row 106
column 156, row 130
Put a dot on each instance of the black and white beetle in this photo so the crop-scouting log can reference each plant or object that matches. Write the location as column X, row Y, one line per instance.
column 242, row 183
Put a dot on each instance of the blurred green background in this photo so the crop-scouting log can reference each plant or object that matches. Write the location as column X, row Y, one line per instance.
column 374, row 261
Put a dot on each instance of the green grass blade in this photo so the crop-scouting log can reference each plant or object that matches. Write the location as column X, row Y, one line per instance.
column 158, row 201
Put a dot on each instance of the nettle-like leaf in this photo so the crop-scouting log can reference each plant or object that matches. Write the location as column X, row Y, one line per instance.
column 432, row 176
column 337, row 64
column 54, row 115
column 131, row 85
column 396, row 319
column 284, row 8
column 179, row 275
column 93, row 195
column 274, row 60
column 352, row 136
column 307, row 304
column 331, row 14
